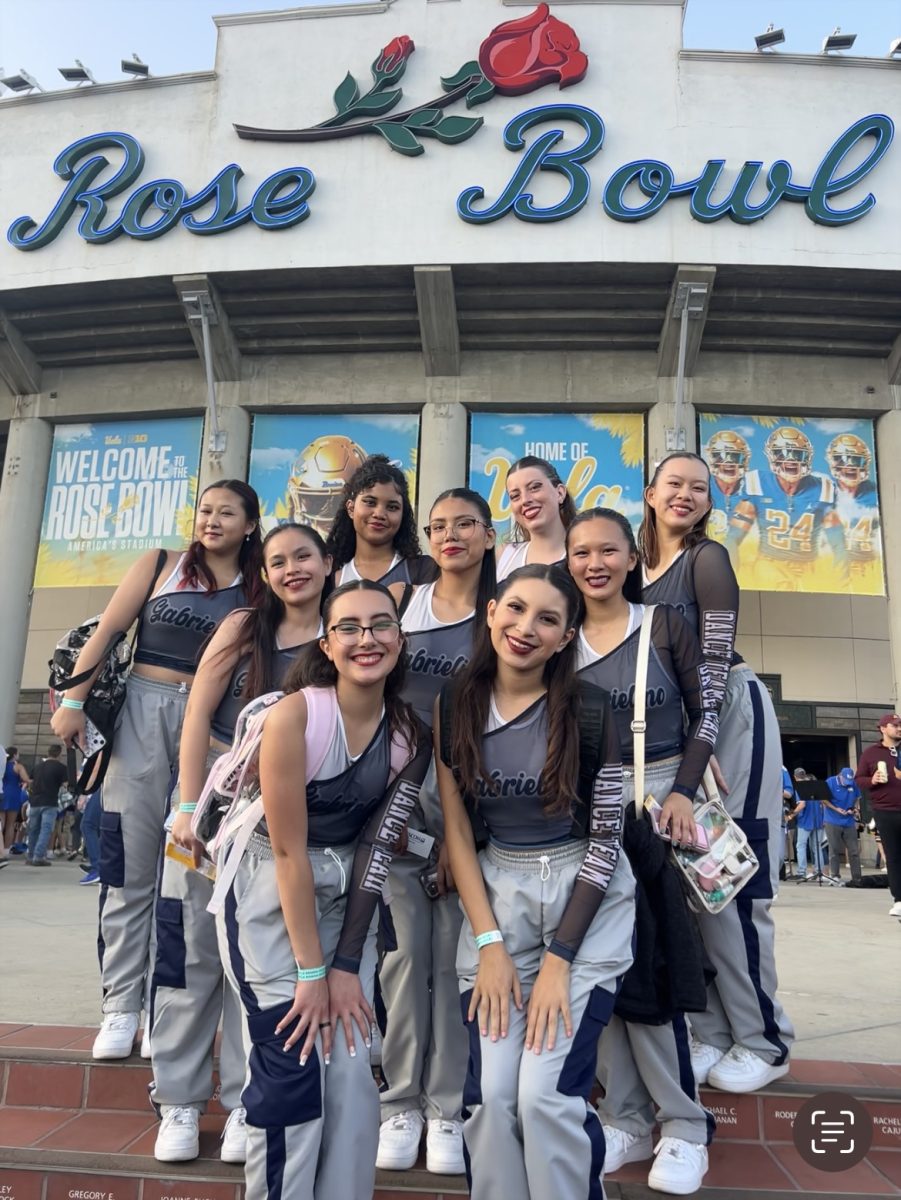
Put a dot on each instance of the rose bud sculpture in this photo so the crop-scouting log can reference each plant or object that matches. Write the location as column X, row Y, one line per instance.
column 520, row 56
column 516, row 57
column 395, row 53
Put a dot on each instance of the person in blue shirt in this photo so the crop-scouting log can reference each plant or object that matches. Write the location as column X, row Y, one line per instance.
column 841, row 815
column 789, row 800
column 809, row 820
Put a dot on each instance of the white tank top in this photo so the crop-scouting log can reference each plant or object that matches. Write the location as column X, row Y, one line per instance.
column 174, row 580
column 339, row 758
column 586, row 655
column 350, row 574
column 420, row 615
column 512, row 556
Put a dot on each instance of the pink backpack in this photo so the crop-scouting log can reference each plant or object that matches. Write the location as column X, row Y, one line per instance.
column 231, row 804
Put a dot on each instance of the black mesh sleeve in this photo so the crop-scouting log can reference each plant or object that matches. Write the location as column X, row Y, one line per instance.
column 717, row 595
column 374, row 852
column 604, row 837
column 702, row 694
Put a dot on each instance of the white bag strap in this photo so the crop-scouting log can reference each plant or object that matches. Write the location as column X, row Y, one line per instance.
column 709, row 785
column 242, row 826
column 639, row 725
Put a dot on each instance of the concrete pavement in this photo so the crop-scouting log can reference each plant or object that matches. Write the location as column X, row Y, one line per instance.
column 838, row 952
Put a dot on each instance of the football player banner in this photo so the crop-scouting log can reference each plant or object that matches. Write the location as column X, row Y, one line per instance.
column 116, row 489
column 796, row 502
column 300, row 462
column 600, row 458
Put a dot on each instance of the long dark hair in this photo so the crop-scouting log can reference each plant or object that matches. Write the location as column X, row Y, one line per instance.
column 488, row 573
column 632, row 583
column 314, row 668
column 560, row 776
column 258, row 633
column 567, row 504
column 250, row 557
column 342, row 539
column 648, row 544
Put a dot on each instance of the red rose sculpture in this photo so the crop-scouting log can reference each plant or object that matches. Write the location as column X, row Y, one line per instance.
column 520, row 56
column 396, row 52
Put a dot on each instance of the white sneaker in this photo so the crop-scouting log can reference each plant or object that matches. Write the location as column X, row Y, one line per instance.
column 743, row 1071
column 399, row 1139
column 703, row 1058
column 444, row 1148
column 624, row 1148
column 895, row 910
column 145, row 1040
column 234, row 1137
column 116, row 1037
column 679, row 1167
column 179, row 1137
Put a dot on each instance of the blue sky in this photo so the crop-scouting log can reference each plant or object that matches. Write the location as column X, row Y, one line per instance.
column 178, row 35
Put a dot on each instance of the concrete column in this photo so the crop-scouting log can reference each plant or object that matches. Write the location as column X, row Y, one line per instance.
column 888, row 455
column 662, row 417
column 234, row 421
column 25, row 471
column 442, row 450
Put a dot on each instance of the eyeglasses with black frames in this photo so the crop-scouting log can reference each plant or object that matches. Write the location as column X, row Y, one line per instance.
column 463, row 527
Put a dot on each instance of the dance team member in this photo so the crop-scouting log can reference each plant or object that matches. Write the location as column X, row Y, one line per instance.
column 542, row 509
column 373, row 535
column 219, row 572
column 424, row 1047
column 548, row 901
column 297, row 931
column 249, row 655
column 744, row 1039
column 644, row 1060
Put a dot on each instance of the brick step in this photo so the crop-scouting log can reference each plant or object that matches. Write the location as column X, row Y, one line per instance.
column 69, row 1125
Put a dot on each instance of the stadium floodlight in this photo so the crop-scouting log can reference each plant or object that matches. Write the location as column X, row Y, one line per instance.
column 135, row 66
column 21, row 82
column 772, row 37
column 894, row 50
column 78, row 74
column 838, row 40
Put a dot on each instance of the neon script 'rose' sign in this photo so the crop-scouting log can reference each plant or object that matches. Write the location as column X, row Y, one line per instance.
column 516, row 58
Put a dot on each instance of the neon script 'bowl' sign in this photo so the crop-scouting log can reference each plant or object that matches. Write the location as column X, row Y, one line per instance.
column 655, row 182
column 281, row 200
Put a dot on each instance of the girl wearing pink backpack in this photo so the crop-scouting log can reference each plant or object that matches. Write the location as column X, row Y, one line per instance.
column 341, row 761
column 249, row 655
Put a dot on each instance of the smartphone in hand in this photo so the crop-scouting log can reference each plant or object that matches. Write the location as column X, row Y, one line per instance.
column 701, row 841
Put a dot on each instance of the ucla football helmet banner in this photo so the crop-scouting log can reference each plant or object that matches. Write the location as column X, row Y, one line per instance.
column 599, row 456
column 796, row 502
column 300, row 462
column 115, row 490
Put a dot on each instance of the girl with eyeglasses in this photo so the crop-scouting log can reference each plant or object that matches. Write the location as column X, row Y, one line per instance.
column 249, row 655
column 373, row 535
column 643, row 1059
column 219, row 572
column 542, row 510
column 744, row 1039
column 297, row 931
column 531, row 787
column 424, row 1048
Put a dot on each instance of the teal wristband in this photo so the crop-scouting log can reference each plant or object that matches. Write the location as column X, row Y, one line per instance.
column 186, row 808
column 310, row 974
column 67, row 703
column 489, row 938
